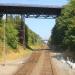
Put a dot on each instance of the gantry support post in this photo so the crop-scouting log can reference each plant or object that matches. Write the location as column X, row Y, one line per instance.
column 6, row 18
column 23, row 30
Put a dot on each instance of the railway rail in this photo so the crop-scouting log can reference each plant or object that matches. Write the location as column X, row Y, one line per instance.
column 41, row 58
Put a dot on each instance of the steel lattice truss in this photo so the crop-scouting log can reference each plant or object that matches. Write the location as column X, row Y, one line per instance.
column 31, row 11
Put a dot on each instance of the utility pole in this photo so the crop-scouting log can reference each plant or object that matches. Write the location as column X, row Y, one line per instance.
column 4, row 46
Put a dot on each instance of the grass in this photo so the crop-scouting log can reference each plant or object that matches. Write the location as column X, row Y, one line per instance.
column 11, row 55
column 18, row 53
column 36, row 46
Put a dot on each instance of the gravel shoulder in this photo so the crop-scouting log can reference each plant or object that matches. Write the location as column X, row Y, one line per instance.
column 11, row 67
column 38, row 63
column 61, row 68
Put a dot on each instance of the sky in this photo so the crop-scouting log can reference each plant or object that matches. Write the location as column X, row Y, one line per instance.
column 41, row 2
column 43, row 27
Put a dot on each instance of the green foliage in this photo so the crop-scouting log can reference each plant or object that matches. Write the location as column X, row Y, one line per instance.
column 11, row 34
column 63, row 32
column 33, row 38
column 12, row 31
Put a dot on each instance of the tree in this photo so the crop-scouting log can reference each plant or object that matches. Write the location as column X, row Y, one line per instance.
column 11, row 33
column 63, row 33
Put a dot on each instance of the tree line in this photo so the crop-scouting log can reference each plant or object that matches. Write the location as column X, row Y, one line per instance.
column 17, row 32
column 63, row 33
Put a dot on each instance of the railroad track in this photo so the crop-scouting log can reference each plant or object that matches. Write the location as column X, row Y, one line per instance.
column 47, row 64
column 44, row 62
